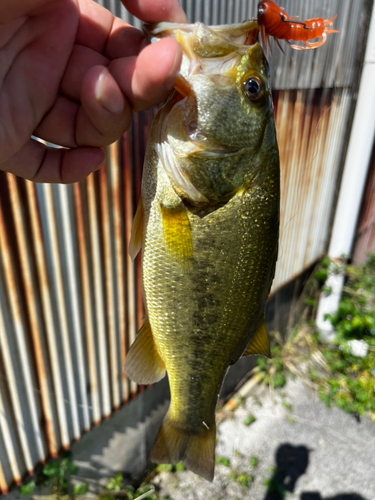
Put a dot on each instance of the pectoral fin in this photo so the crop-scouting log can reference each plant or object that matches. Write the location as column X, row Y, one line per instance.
column 177, row 231
column 259, row 344
column 135, row 243
column 143, row 363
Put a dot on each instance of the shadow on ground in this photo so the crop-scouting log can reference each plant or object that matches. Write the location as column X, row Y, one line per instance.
column 343, row 496
column 291, row 463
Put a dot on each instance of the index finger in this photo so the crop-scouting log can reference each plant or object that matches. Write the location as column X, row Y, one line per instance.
column 155, row 11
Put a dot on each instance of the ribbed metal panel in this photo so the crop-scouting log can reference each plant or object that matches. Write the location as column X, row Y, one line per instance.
column 70, row 296
column 310, row 129
column 365, row 236
column 70, row 305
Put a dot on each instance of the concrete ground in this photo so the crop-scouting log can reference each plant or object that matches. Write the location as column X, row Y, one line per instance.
column 305, row 451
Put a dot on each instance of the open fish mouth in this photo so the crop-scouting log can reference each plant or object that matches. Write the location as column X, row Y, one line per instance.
column 206, row 49
column 199, row 158
column 207, row 41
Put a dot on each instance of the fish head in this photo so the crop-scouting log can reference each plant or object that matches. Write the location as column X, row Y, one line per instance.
column 220, row 119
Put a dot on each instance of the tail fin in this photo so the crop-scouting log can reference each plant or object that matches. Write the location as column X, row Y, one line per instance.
column 174, row 443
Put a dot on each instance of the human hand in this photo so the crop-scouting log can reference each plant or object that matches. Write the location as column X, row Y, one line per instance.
column 72, row 74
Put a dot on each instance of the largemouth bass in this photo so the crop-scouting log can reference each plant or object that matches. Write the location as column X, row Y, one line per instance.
column 207, row 223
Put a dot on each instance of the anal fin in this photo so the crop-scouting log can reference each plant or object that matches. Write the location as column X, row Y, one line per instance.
column 143, row 363
column 259, row 344
column 135, row 243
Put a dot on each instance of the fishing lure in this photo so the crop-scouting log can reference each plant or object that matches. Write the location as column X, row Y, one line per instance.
column 274, row 21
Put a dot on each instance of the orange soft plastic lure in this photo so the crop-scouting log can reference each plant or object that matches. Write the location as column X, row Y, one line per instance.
column 274, row 21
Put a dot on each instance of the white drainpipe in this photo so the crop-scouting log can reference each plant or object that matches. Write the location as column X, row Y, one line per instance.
column 353, row 182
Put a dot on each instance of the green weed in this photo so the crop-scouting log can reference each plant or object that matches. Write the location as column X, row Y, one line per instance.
column 223, row 461
column 288, row 406
column 340, row 378
column 272, row 371
column 57, row 474
column 290, row 419
column 348, row 381
column 245, row 480
column 250, row 419
column 180, row 467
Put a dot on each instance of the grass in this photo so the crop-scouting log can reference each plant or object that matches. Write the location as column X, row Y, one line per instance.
column 340, row 378
column 250, row 419
column 223, row 461
column 243, row 479
column 57, row 474
column 180, row 467
column 287, row 406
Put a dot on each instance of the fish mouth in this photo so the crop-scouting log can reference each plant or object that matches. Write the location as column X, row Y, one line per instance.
column 205, row 48
column 199, row 163
column 208, row 41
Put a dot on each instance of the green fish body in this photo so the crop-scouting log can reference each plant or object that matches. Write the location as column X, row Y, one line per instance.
column 208, row 225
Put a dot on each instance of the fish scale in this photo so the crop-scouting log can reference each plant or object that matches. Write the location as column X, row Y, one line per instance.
column 209, row 214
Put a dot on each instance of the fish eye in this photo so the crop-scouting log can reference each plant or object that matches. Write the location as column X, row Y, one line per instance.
column 254, row 88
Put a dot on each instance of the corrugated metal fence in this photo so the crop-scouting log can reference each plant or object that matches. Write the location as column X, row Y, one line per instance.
column 70, row 297
column 365, row 236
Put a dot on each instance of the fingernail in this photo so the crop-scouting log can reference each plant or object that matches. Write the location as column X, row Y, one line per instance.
column 173, row 73
column 108, row 94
